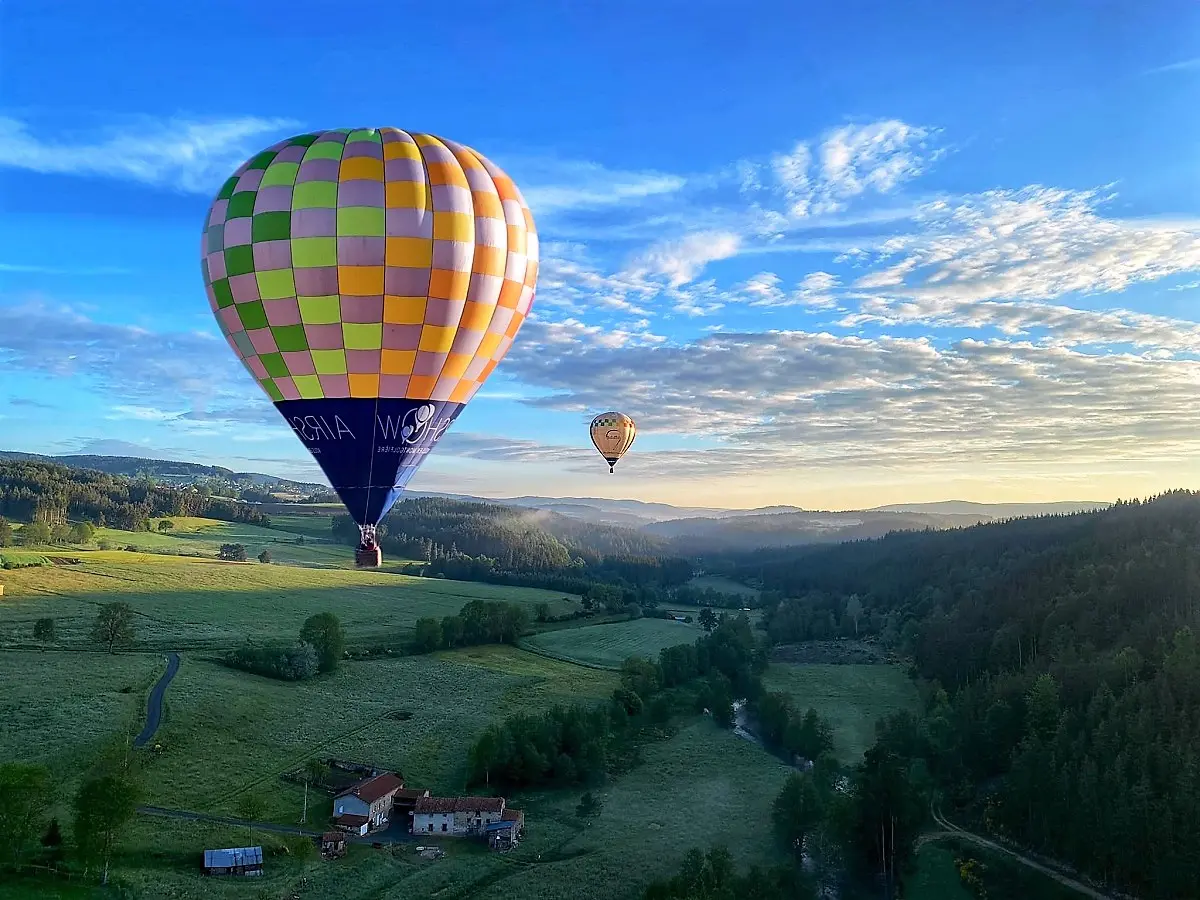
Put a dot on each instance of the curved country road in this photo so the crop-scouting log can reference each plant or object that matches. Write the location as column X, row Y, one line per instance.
column 154, row 704
column 952, row 830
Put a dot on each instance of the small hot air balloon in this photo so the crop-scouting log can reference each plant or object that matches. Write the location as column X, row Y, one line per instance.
column 613, row 434
column 370, row 280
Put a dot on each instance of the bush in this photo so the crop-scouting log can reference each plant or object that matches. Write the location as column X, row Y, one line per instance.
column 295, row 663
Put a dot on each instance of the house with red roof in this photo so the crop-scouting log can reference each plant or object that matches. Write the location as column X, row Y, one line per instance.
column 368, row 805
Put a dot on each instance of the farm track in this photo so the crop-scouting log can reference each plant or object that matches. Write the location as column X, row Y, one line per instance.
column 154, row 705
column 952, row 830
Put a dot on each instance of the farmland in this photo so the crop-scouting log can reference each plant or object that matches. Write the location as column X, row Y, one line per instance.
column 611, row 644
column 192, row 604
column 851, row 697
column 226, row 733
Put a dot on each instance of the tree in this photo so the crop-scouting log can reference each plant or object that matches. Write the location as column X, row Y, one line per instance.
column 232, row 553
column 60, row 534
column 588, row 806
column 103, row 806
column 854, row 610
column 114, row 625
column 798, row 811
column 265, row 557
column 543, row 611
column 427, row 635
column 315, row 772
column 6, row 533
column 166, row 525
column 52, row 840
column 251, row 807
column 81, row 533
column 24, row 798
column 324, row 632
column 43, row 630
column 708, row 619
column 35, row 534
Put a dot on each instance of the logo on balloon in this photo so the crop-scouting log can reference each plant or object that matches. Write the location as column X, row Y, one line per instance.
column 415, row 422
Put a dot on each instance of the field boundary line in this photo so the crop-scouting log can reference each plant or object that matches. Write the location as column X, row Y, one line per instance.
column 548, row 654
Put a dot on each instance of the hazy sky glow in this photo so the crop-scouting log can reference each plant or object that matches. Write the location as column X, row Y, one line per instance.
column 832, row 258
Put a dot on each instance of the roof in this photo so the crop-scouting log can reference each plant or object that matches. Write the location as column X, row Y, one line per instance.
column 513, row 815
column 372, row 789
column 333, row 836
column 233, row 856
column 502, row 825
column 406, row 794
column 350, row 819
column 459, row 804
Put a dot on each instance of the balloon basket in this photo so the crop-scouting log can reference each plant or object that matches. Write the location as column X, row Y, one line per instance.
column 368, row 559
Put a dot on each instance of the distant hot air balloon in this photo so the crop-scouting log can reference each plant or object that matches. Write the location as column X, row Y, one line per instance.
column 613, row 434
column 370, row 280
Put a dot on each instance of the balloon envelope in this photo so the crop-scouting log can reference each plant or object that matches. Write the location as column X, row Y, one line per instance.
column 370, row 280
column 613, row 434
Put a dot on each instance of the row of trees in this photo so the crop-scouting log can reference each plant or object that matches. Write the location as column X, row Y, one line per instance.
column 53, row 494
column 320, row 649
column 478, row 622
column 38, row 534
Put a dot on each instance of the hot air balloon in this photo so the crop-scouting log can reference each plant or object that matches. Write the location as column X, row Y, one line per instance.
column 370, row 280
column 613, row 434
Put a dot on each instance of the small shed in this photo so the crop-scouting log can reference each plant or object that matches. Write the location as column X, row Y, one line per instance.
column 234, row 861
column 333, row 844
column 351, row 824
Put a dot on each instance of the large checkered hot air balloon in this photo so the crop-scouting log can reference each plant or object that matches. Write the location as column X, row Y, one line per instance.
column 370, row 280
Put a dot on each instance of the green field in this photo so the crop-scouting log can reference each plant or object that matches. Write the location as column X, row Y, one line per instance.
column 612, row 644
column 226, row 732
column 723, row 585
column 851, row 697
column 195, row 604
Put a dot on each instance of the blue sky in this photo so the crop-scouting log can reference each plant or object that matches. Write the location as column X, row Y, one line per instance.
column 837, row 256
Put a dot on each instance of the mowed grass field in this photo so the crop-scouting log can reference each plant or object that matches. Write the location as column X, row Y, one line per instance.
column 611, row 644
column 193, row 604
column 851, row 697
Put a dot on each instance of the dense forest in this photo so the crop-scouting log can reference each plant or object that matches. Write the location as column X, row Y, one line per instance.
column 53, row 494
column 1062, row 671
column 509, row 545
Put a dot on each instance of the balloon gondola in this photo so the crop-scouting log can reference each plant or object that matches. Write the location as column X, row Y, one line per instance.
column 612, row 435
column 370, row 280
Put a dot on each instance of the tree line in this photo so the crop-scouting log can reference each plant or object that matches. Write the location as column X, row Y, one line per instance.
column 1061, row 669
column 478, row 622
column 38, row 492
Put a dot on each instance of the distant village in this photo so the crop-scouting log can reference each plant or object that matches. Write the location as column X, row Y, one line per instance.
column 379, row 806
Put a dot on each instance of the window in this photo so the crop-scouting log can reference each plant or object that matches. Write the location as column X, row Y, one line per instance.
column 443, row 826
column 431, row 826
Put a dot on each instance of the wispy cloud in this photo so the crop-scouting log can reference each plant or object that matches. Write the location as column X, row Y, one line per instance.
column 17, row 268
column 551, row 186
column 822, row 177
column 1181, row 66
column 182, row 154
column 681, row 261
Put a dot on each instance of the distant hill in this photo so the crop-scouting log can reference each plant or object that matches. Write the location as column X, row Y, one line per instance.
column 686, row 529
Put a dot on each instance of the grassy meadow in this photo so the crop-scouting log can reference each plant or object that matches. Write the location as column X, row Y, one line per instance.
column 613, row 643
column 851, row 697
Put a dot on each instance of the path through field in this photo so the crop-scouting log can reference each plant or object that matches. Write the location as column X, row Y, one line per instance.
column 154, row 704
column 952, row 830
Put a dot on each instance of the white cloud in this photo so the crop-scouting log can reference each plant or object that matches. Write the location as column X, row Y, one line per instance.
column 187, row 155
column 682, row 260
column 792, row 398
column 1036, row 243
column 850, row 161
column 551, row 186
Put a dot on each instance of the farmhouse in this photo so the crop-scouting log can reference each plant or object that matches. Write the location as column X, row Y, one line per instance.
column 456, row 816
column 368, row 805
column 333, row 844
column 506, row 834
column 234, row 861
